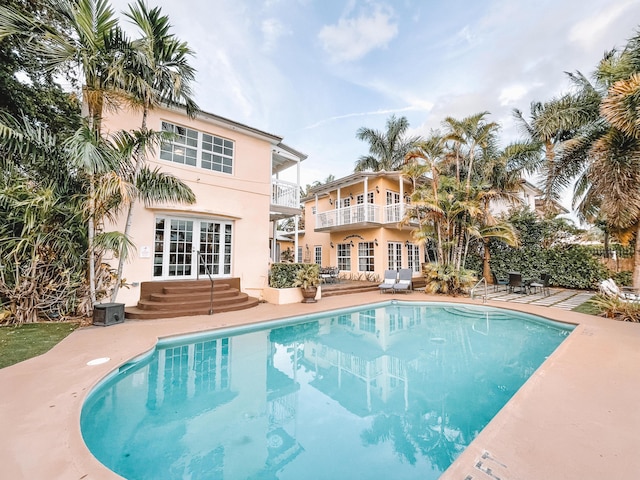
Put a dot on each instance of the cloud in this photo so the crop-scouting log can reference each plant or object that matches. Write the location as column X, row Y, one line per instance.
column 386, row 111
column 352, row 38
column 272, row 30
column 589, row 32
column 511, row 94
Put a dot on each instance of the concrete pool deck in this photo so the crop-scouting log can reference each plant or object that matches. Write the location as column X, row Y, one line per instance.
column 577, row 417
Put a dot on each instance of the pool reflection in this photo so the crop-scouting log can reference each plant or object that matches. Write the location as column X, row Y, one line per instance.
column 395, row 392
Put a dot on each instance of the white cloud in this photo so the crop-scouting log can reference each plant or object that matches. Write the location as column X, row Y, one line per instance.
column 510, row 95
column 272, row 30
column 352, row 38
column 589, row 32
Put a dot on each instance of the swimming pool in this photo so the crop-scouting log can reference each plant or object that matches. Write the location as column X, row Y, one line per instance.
column 395, row 390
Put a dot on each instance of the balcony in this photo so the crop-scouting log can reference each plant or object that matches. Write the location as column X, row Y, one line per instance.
column 285, row 198
column 363, row 215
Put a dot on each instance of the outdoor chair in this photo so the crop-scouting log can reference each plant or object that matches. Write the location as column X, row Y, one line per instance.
column 610, row 289
column 404, row 280
column 542, row 284
column 499, row 281
column 390, row 278
column 515, row 281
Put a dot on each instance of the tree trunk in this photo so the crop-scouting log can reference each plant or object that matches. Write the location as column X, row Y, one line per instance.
column 486, row 261
column 636, row 259
column 140, row 160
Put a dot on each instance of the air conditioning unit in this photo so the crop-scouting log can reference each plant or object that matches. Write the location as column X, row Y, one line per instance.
column 105, row 314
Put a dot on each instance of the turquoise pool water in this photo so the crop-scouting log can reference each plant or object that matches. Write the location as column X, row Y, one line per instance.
column 395, row 390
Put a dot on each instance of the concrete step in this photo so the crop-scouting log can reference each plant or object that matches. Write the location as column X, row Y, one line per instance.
column 135, row 313
column 195, row 295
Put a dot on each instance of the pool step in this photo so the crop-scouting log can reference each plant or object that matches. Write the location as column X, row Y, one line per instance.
column 182, row 298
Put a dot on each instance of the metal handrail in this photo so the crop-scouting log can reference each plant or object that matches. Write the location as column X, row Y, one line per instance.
column 484, row 297
column 208, row 272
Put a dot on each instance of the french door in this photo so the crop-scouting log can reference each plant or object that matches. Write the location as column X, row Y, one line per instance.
column 185, row 247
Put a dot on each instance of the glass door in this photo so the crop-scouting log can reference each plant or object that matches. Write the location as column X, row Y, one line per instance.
column 178, row 253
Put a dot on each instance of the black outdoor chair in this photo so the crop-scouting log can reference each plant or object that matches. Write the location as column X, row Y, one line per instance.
column 542, row 284
column 515, row 281
column 499, row 281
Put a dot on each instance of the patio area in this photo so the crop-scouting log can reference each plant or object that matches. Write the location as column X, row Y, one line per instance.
column 575, row 418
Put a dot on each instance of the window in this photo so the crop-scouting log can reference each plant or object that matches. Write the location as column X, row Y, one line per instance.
column 367, row 321
column 392, row 198
column 365, row 257
column 360, row 198
column 318, row 255
column 198, row 149
column 413, row 257
column 394, row 250
column 299, row 260
column 344, row 256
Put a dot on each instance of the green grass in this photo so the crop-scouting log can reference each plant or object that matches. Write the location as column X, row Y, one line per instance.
column 30, row 340
column 587, row 307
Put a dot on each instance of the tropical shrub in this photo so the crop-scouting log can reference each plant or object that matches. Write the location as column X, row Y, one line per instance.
column 445, row 279
column 612, row 307
column 286, row 275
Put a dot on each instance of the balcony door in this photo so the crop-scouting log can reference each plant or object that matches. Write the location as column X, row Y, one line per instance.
column 178, row 241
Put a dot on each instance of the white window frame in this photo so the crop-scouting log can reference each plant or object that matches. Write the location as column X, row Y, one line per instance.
column 317, row 254
column 413, row 257
column 366, row 257
column 344, row 256
column 198, row 149
column 394, row 255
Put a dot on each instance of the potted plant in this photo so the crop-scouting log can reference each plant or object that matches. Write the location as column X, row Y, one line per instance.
column 308, row 279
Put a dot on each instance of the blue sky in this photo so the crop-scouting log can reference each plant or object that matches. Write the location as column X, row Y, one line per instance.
column 314, row 71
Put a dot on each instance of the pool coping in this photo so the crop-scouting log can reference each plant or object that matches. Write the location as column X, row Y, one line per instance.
column 576, row 417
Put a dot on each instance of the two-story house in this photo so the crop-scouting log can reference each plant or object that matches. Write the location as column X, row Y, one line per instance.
column 233, row 169
column 354, row 223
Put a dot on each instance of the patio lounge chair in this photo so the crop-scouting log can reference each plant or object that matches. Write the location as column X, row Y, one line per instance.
column 499, row 281
column 542, row 284
column 390, row 277
column 610, row 289
column 404, row 280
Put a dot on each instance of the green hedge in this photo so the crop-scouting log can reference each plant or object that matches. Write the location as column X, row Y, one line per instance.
column 570, row 266
column 283, row 275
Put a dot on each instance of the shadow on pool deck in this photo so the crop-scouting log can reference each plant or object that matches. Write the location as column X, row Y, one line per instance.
column 577, row 417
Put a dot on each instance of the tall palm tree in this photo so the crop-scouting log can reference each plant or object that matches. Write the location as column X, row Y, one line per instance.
column 470, row 136
column 159, row 73
column 386, row 149
column 605, row 154
column 96, row 47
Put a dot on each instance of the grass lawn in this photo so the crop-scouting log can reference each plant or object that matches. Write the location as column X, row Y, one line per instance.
column 29, row 340
column 587, row 307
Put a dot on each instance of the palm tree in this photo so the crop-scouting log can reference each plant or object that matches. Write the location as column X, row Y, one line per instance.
column 159, row 73
column 386, row 149
column 470, row 136
column 605, row 154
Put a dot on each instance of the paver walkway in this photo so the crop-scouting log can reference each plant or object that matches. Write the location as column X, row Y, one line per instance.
column 558, row 297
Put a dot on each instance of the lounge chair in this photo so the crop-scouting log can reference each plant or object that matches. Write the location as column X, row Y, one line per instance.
column 499, row 281
column 542, row 284
column 390, row 278
column 404, row 280
column 610, row 289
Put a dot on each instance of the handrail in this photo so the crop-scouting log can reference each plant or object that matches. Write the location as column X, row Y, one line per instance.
column 208, row 272
column 484, row 297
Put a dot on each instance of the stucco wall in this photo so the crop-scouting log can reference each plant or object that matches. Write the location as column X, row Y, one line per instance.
column 242, row 197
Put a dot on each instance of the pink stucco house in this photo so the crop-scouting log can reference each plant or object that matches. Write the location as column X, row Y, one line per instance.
column 234, row 171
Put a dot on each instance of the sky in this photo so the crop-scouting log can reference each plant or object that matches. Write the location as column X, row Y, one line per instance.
column 315, row 71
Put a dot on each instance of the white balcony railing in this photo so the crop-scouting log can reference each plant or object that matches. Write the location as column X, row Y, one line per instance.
column 285, row 194
column 366, row 212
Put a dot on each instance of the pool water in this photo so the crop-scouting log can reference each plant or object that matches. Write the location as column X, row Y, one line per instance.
column 395, row 390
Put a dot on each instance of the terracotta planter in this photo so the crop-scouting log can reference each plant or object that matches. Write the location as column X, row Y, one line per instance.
column 309, row 294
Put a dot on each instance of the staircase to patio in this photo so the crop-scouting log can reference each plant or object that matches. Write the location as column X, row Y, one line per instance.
column 182, row 298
